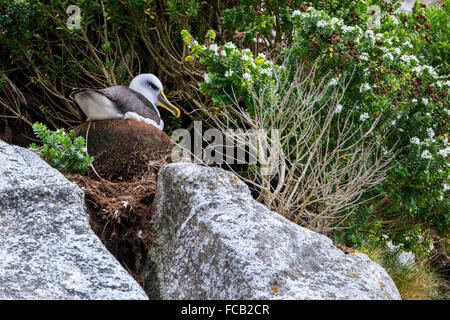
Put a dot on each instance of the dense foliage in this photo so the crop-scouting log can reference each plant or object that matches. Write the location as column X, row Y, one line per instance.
column 62, row 150
column 398, row 71
column 391, row 69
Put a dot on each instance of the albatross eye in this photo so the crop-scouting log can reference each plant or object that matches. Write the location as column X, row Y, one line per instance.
column 154, row 87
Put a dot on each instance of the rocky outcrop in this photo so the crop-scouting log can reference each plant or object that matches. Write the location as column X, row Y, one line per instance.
column 212, row 240
column 124, row 149
column 47, row 247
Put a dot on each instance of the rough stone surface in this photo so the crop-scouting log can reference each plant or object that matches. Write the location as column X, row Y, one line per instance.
column 47, row 247
column 214, row 241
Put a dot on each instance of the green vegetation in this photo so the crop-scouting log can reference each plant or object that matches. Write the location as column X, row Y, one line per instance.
column 358, row 91
column 63, row 151
column 395, row 79
column 415, row 280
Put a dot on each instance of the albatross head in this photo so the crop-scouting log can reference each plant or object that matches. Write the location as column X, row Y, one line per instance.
column 150, row 86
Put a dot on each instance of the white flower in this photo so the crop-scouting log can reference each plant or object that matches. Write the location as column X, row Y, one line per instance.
column 365, row 87
column 444, row 152
column 408, row 59
column 339, row 108
column 262, row 55
column 430, row 132
column 446, row 187
column 415, row 140
column 405, row 58
column 321, row 24
column 419, row 70
column 245, row 57
column 336, row 22
column 364, row 56
column 346, row 29
column 296, row 13
column 333, row 82
column 414, row 100
column 397, row 51
column 426, row 154
column 214, row 47
column 369, row 34
column 247, row 76
column 230, row 45
column 408, row 44
column 229, row 73
column 266, row 72
column 388, row 56
column 393, row 122
column 364, row 116
column 207, row 78
column 425, row 101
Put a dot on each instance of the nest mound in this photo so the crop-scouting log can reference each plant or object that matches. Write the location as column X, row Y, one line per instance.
column 127, row 156
column 124, row 149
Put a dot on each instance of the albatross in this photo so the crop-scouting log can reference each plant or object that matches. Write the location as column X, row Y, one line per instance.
column 138, row 101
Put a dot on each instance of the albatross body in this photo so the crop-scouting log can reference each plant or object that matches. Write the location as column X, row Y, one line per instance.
column 136, row 102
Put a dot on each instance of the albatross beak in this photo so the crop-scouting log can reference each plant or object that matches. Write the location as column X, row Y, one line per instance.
column 164, row 102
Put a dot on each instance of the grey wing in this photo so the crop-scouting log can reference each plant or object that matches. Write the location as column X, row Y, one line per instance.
column 127, row 99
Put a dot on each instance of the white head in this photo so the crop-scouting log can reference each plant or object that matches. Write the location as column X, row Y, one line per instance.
column 149, row 85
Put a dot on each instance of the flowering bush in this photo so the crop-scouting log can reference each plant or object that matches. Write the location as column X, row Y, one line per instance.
column 398, row 77
column 392, row 77
column 230, row 70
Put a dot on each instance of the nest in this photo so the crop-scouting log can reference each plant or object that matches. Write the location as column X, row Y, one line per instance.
column 120, row 189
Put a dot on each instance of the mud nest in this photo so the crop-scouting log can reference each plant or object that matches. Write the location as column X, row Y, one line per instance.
column 120, row 215
column 119, row 193
column 124, row 149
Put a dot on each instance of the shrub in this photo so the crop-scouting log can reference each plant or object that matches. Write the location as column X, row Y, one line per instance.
column 62, row 150
column 318, row 163
column 414, row 280
column 395, row 83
